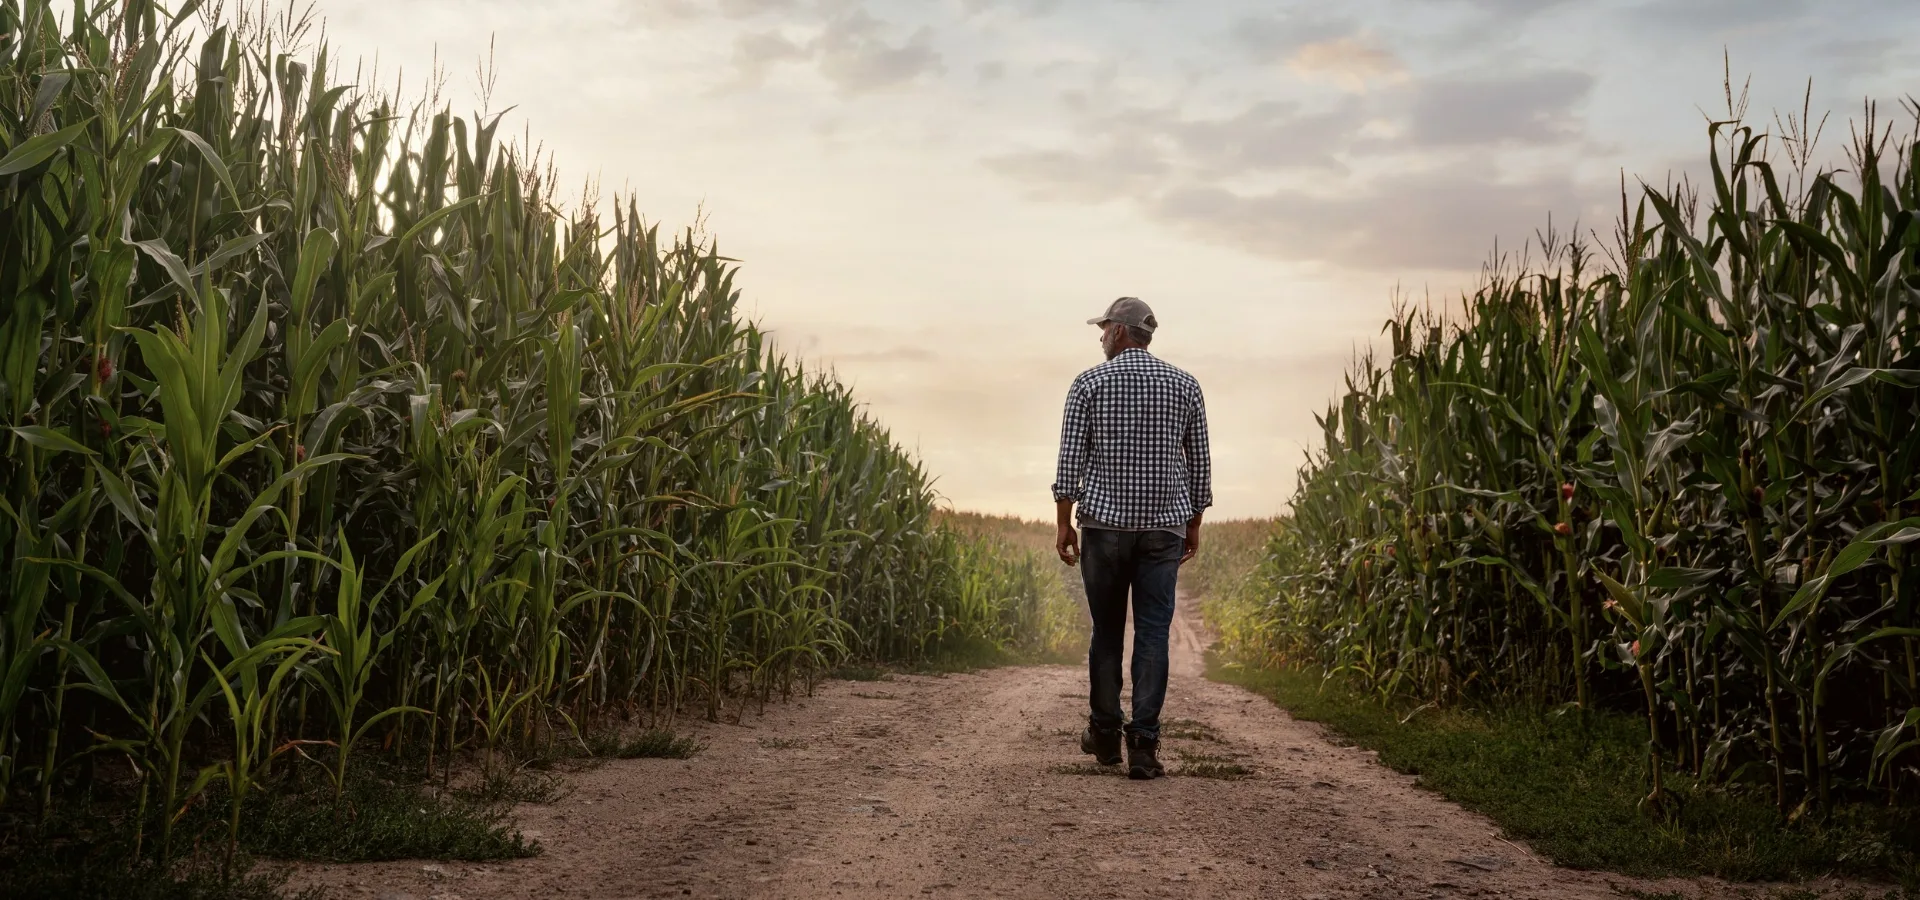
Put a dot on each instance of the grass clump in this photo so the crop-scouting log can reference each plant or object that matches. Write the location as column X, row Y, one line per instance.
column 1574, row 792
column 1190, row 730
column 1215, row 768
column 1194, row 756
column 506, row 785
column 1087, row 769
column 654, row 743
column 380, row 816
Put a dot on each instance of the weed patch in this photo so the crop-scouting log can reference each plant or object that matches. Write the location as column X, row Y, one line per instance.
column 1193, row 756
column 1189, row 730
column 1215, row 768
column 376, row 818
column 612, row 743
column 1088, row 769
column 511, row 785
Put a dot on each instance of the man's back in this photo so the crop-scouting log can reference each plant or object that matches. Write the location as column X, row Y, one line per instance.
column 1133, row 444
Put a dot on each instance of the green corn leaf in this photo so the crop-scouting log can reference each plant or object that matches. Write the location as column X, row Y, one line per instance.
column 134, row 607
column 1671, row 578
column 213, row 161
column 48, row 439
column 435, row 217
column 1905, row 378
column 52, row 85
column 229, row 251
column 1827, row 249
column 305, row 383
column 176, row 270
column 38, row 149
column 316, row 253
column 96, row 676
column 384, row 715
column 1850, row 558
column 1627, row 601
column 1888, row 746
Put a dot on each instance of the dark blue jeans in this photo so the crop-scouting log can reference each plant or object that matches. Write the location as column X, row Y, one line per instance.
column 1114, row 563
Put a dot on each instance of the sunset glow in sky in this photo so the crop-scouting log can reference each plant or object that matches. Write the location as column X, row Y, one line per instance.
column 932, row 197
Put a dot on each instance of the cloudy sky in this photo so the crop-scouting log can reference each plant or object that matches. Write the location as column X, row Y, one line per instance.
column 933, row 196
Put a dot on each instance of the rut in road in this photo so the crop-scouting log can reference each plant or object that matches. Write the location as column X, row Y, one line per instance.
column 970, row 785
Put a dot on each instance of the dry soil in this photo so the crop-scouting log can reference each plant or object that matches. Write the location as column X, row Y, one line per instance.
column 972, row 785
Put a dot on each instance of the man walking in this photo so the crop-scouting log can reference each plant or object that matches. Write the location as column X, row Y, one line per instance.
column 1133, row 455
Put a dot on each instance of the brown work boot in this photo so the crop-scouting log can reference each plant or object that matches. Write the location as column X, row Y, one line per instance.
column 1142, row 764
column 1102, row 743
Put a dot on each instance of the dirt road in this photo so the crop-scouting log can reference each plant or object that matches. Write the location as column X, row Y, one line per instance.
column 970, row 786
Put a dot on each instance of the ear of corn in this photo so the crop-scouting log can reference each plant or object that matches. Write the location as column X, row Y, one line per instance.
column 1683, row 483
column 323, row 421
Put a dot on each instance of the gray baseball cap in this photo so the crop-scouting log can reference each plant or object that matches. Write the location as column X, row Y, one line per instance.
column 1128, row 311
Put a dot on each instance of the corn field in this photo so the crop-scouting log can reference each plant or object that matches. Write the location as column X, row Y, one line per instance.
column 1678, row 477
column 327, row 426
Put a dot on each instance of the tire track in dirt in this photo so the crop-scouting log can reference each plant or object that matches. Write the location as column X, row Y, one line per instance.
column 958, row 787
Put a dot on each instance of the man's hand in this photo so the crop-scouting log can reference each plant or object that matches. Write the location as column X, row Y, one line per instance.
column 1193, row 540
column 1066, row 540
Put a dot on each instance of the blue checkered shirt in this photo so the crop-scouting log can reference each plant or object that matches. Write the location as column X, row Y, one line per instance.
column 1133, row 445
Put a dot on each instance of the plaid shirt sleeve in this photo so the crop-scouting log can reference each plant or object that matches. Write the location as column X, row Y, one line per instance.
column 1199, row 455
column 1076, row 445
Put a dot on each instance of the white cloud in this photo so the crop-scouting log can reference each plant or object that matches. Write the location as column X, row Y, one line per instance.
column 1118, row 168
column 854, row 53
column 1448, row 219
column 755, row 53
column 850, row 48
column 1527, row 106
column 1390, row 181
column 1277, row 37
column 1353, row 62
column 745, row 9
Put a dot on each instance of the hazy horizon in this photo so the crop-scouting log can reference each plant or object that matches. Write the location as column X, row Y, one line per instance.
column 931, row 198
